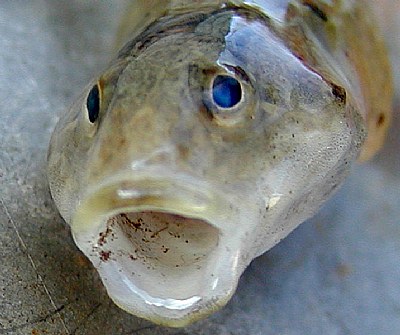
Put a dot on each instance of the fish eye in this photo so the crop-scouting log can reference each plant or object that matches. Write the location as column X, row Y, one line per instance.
column 93, row 103
column 226, row 91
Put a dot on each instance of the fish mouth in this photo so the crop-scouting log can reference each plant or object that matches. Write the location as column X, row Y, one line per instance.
column 159, row 247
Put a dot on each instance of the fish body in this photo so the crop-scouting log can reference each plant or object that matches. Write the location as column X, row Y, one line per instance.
column 218, row 128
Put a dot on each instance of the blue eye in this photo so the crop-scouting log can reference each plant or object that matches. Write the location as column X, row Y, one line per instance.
column 227, row 91
column 93, row 104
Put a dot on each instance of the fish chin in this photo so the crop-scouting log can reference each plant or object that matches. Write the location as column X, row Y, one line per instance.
column 159, row 248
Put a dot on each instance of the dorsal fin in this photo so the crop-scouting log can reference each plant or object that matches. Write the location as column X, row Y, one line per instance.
column 140, row 13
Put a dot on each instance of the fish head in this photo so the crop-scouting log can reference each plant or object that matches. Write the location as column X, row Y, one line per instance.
column 201, row 147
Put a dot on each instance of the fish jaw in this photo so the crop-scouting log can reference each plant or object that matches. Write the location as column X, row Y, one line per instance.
column 163, row 248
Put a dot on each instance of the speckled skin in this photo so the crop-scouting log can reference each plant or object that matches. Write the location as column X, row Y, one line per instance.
column 251, row 173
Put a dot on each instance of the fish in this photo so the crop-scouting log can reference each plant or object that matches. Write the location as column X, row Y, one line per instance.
column 218, row 128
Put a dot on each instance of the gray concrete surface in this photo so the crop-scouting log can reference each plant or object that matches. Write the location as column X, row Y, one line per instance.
column 339, row 273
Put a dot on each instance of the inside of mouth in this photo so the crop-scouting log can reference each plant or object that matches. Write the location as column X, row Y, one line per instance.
column 165, row 255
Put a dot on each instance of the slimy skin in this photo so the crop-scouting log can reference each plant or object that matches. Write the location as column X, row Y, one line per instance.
column 170, row 187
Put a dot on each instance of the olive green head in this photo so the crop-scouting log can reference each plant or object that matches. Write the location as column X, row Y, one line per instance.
column 204, row 144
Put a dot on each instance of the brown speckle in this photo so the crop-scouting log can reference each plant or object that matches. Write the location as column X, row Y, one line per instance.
column 103, row 236
column 105, row 255
column 381, row 120
column 155, row 234
column 137, row 225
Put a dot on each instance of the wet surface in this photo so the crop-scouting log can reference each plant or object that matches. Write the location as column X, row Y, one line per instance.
column 339, row 273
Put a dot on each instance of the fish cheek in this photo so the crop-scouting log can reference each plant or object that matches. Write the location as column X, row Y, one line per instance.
column 64, row 161
column 68, row 153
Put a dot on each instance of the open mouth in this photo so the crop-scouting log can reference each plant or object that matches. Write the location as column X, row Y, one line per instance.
column 164, row 252
column 157, row 248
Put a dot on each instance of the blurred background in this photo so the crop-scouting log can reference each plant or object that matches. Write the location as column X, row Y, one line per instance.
column 338, row 273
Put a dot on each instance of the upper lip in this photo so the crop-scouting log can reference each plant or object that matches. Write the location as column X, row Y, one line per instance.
column 175, row 193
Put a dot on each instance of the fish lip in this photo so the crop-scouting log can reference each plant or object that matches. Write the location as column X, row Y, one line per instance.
column 175, row 194
column 181, row 194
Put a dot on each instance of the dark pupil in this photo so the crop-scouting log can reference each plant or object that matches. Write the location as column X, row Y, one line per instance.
column 227, row 91
column 93, row 104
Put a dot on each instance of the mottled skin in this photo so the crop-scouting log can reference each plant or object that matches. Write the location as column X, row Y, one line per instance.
column 234, row 181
